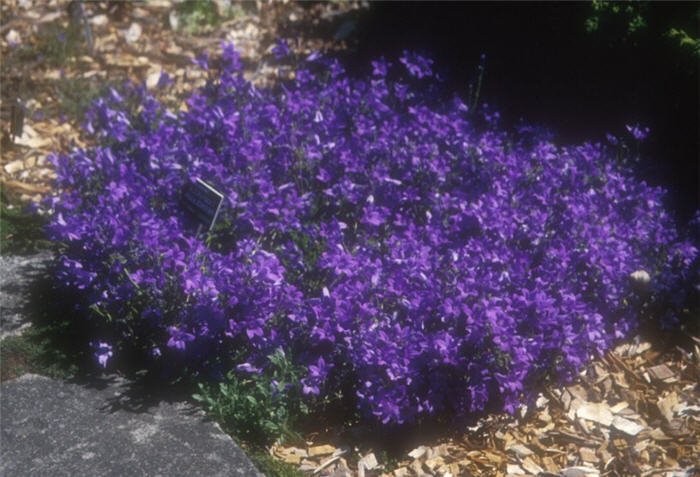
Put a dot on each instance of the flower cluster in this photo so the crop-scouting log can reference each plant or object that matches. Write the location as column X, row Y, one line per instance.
column 401, row 247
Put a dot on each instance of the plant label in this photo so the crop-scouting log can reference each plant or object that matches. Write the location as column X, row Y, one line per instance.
column 202, row 204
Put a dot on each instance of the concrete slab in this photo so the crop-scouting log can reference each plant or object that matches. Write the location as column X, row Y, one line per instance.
column 55, row 428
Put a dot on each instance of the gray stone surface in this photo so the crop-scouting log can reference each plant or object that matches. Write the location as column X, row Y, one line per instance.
column 107, row 426
column 16, row 274
column 55, row 428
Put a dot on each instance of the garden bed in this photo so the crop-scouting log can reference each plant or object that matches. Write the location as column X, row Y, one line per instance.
column 380, row 239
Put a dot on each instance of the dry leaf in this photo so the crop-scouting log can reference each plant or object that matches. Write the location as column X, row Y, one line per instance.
column 99, row 20
column 13, row 37
column 30, row 138
column 153, row 79
column 133, row 33
column 326, row 464
column 549, row 464
column 667, row 404
column 434, row 463
column 21, row 187
column 514, row 469
column 580, row 471
column 417, row 468
column 49, row 17
column 630, row 428
column 14, row 166
column 417, row 453
column 663, row 373
column 597, row 412
column 292, row 459
column 619, row 407
column 658, row 435
column 530, row 466
column 321, row 450
column 520, row 450
column 369, row 461
column 588, row 455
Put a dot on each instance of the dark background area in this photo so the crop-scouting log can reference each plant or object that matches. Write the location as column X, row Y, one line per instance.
column 544, row 68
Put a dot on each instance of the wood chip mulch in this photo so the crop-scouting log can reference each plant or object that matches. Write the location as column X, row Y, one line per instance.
column 633, row 412
column 49, row 88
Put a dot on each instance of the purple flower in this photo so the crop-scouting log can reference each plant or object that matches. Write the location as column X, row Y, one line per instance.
column 281, row 49
column 103, row 351
column 164, row 80
column 202, row 61
column 248, row 368
column 371, row 226
column 380, row 67
column 314, row 56
column 178, row 338
column 612, row 139
column 418, row 66
column 637, row 131
column 231, row 58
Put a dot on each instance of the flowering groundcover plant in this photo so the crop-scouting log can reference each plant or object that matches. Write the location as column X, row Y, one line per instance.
column 402, row 249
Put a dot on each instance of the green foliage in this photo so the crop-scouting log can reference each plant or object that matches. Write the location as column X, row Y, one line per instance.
column 475, row 85
column 20, row 232
column 17, row 356
column 55, row 44
column 272, row 467
column 40, row 351
column 77, row 94
column 628, row 15
column 200, row 16
column 312, row 278
column 626, row 20
column 257, row 408
column 685, row 40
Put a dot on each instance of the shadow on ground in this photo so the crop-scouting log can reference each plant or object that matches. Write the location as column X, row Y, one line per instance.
column 56, row 344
